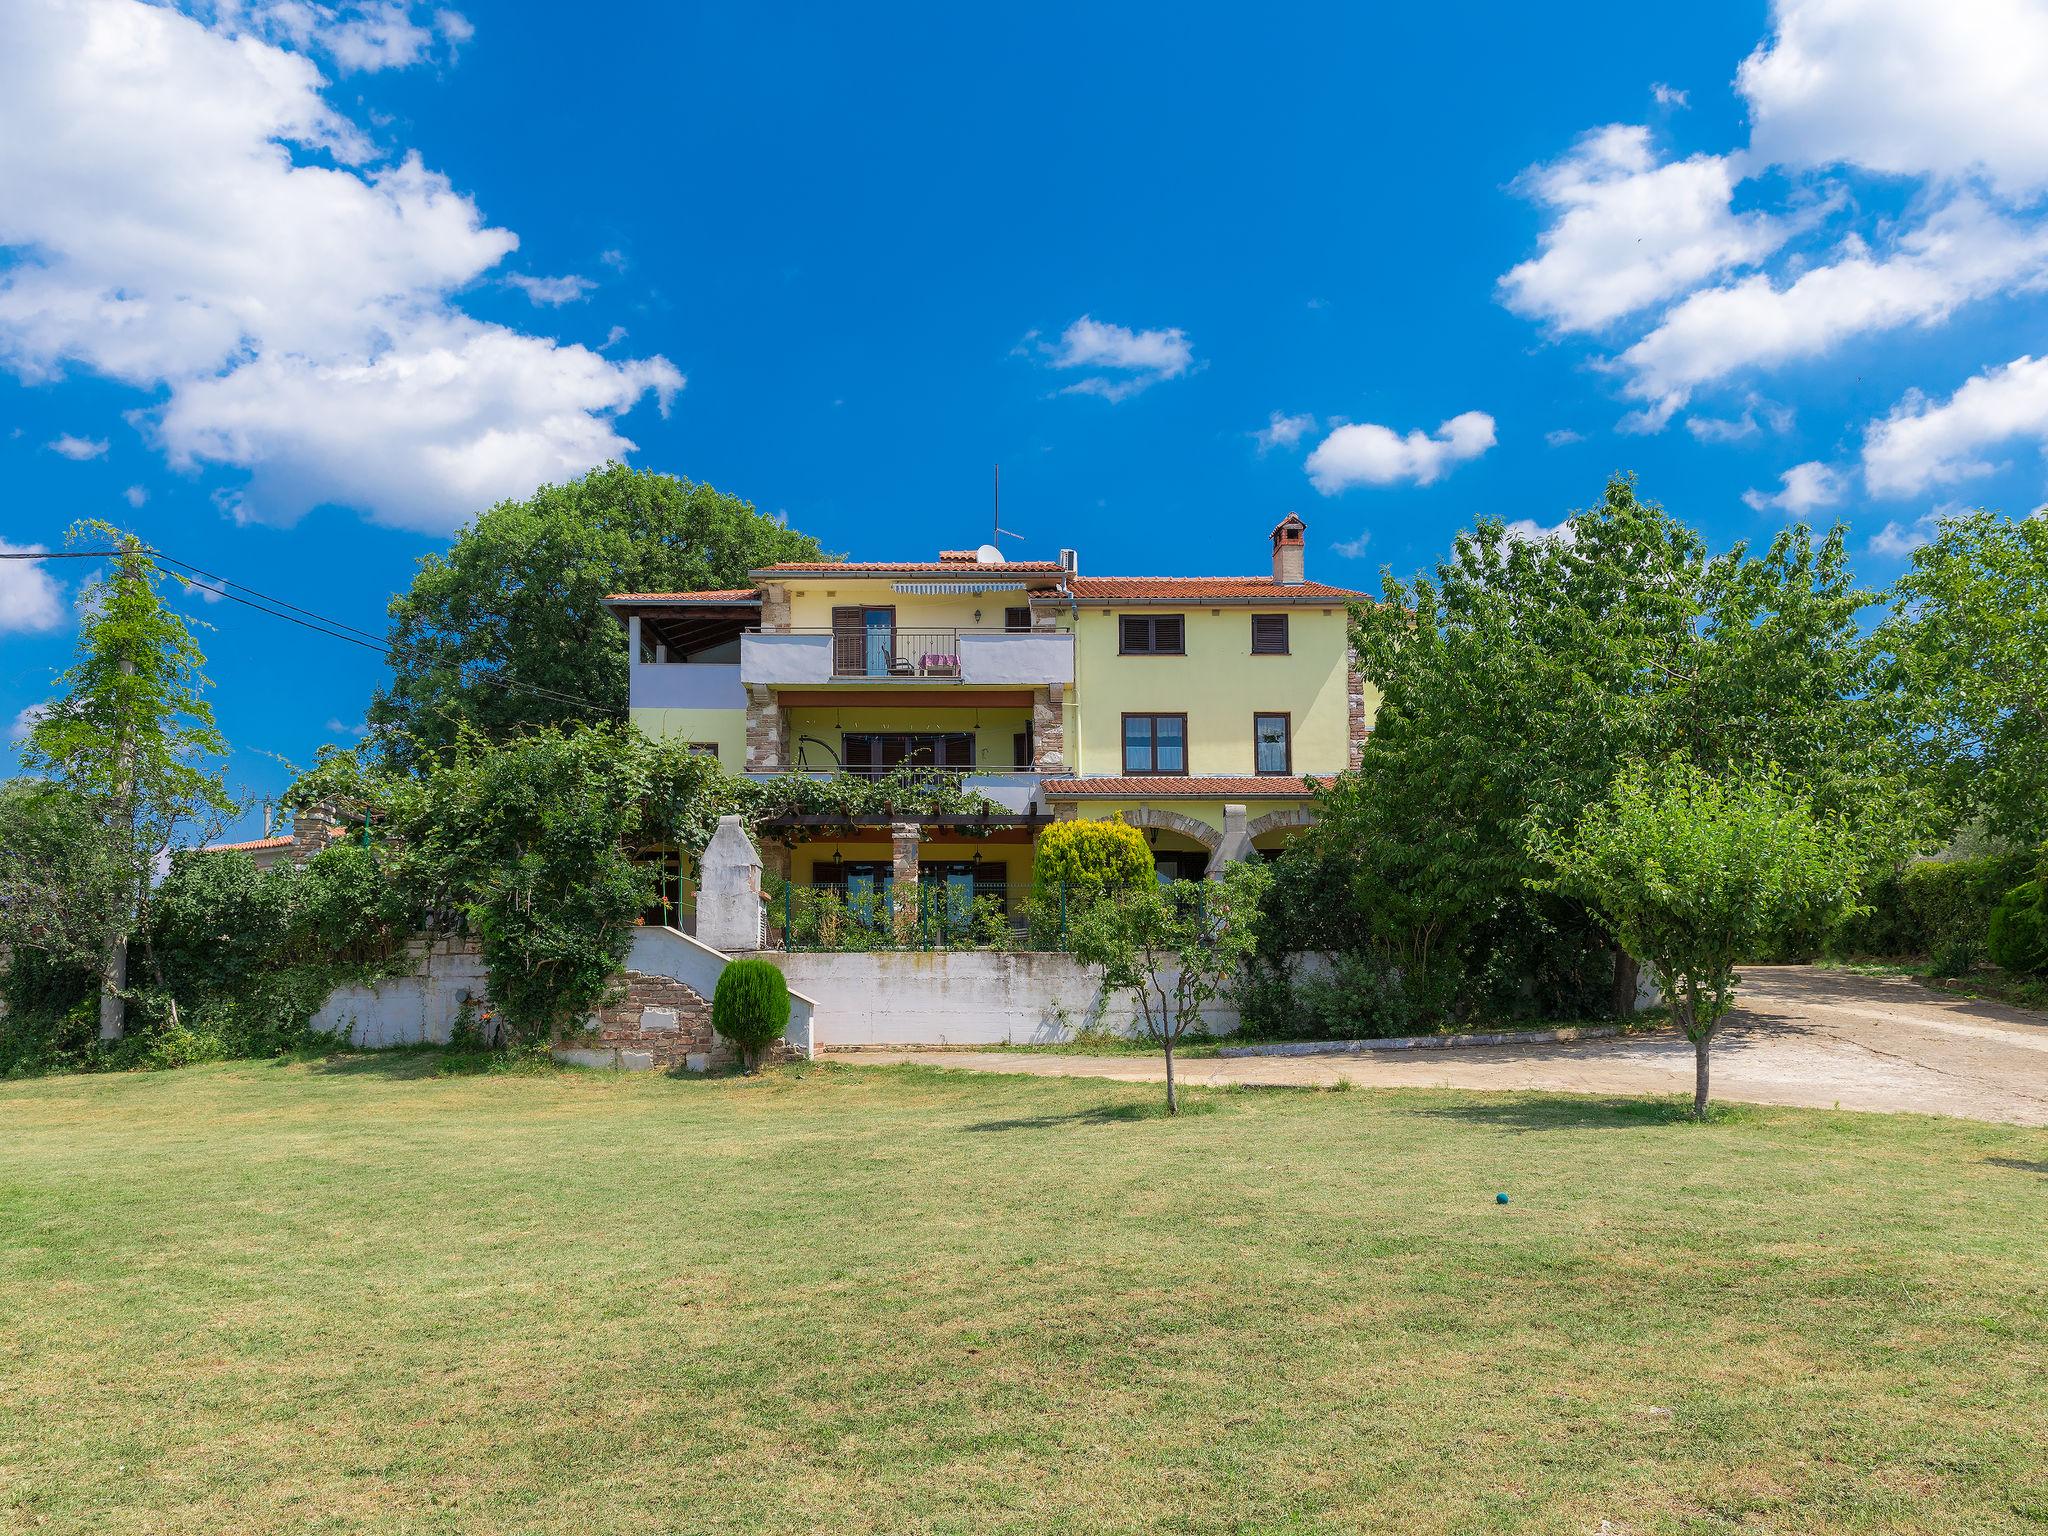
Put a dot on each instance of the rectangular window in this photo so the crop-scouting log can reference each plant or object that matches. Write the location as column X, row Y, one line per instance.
column 1272, row 744
column 1016, row 619
column 702, row 749
column 1269, row 634
column 1151, row 634
column 1155, row 744
column 878, row 752
column 1020, row 749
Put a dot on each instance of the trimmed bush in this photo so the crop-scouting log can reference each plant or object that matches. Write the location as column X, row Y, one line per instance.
column 1088, row 857
column 750, row 1008
column 2018, row 938
column 1936, row 908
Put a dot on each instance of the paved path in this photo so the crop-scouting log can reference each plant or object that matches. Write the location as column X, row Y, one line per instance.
column 1804, row 1036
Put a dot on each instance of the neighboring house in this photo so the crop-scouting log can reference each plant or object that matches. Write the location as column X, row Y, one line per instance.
column 312, row 830
column 1193, row 706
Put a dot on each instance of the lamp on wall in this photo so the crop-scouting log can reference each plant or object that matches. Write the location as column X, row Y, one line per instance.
column 838, row 858
column 976, row 860
column 1152, row 836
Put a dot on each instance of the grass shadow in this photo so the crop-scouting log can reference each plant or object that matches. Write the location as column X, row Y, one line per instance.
column 1100, row 1114
column 1574, row 1112
column 2021, row 1164
column 409, row 1063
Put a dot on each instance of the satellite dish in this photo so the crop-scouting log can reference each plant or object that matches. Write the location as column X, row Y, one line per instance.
column 988, row 554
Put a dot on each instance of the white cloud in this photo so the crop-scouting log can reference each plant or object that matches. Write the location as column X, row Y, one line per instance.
column 1921, row 443
column 1802, row 488
column 1628, row 232
column 1281, row 431
column 1670, row 95
column 1897, row 541
column 362, row 37
column 135, row 495
column 1352, row 549
column 1563, row 437
column 1713, row 429
column 359, row 730
column 1130, row 360
column 551, row 291
column 1962, row 252
column 1529, row 531
column 1363, row 453
column 191, row 215
column 25, row 720
column 1907, row 87
column 78, row 449
column 30, row 598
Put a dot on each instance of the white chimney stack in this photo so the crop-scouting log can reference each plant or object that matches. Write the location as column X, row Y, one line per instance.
column 1288, row 551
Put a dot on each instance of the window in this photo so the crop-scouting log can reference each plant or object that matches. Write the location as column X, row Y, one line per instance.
column 1147, row 634
column 1155, row 743
column 1272, row 744
column 702, row 749
column 1269, row 634
column 878, row 752
column 1021, row 755
column 1016, row 619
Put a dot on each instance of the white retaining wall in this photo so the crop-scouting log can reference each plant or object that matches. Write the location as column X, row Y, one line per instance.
column 408, row 1010
column 959, row 997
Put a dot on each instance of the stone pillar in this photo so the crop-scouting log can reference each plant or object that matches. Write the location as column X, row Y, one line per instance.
column 764, row 728
column 1354, row 694
column 1236, row 846
column 1049, row 729
column 729, row 890
column 903, row 841
column 312, row 830
column 775, row 860
column 774, row 608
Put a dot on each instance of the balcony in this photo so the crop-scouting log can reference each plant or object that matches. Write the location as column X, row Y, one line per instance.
column 884, row 655
column 1015, row 791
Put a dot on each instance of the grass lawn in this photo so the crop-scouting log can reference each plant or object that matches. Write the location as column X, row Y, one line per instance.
column 356, row 1295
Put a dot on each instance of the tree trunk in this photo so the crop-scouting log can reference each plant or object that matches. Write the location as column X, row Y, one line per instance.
column 113, row 982
column 114, row 951
column 1172, row 1098
column 1627, row 978
column 1699, row 1077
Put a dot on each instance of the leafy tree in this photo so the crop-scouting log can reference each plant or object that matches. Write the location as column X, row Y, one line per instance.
column 216, row 919
column 135, row 745
column 750, row 1007
column 1518, row 680
column 1692, row 871
column 508, row 629
column 2017, row 935
column 1174, row 948
column 1969, row 628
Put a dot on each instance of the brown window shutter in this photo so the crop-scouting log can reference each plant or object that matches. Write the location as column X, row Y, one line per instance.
column 1169, row 635
column 1269, row 634
column 1016, row 618
column 849, row 641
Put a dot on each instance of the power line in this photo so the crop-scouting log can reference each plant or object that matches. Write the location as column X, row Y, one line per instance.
column 318, row 623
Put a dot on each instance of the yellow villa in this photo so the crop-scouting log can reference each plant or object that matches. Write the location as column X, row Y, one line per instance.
column 1192, row 706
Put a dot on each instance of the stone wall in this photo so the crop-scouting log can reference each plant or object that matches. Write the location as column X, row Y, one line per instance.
column 659, row 1024
column 418, row 1008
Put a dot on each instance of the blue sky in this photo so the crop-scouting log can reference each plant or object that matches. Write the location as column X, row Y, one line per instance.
column 291, row 289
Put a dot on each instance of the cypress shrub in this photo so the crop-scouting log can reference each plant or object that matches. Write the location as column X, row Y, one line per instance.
column 750, row 1007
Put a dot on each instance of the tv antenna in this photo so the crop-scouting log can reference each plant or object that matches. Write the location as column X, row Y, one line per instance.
column 995, row 522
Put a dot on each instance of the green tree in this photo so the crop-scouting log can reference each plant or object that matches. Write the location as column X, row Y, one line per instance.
column 1173, row 948
column 508, row 629
column 1519, row 679
column 1969, row 629
column 134, row 742
column 1694, row 871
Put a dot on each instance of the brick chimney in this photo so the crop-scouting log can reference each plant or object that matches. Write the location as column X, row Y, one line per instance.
column 312, row 830
column 1288, row 551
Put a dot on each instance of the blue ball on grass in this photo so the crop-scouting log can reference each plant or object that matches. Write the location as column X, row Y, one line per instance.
column 1500, row 1199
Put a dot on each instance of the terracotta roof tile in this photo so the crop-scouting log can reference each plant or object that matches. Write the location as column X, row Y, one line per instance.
column 723, row 595
column 1189, row 589
column 1160, row 786
column 911, row 567
column 248, row 847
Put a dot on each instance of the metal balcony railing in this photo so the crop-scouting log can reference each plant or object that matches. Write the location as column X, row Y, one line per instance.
column 881, row 652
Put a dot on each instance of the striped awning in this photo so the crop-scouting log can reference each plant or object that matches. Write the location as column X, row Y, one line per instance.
column 953, row 588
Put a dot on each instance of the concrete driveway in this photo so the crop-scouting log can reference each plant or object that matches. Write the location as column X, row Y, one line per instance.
column 1802, row 1036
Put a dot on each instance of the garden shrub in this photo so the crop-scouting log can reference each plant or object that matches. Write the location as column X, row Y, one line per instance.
column 1078, row 863
column 750, row 1007
column 1937, row 908
column 2018, row 932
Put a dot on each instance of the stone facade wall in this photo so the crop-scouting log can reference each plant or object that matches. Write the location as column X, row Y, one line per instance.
column 659, row 1024
column 1354, row 698
column 1049, row 729
column 767, row 746
column 774, row 607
